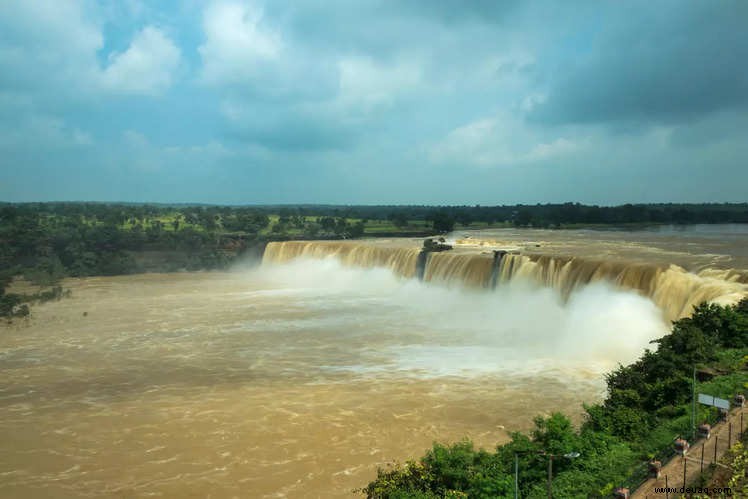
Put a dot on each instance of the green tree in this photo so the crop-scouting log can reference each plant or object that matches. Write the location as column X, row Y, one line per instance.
column 442, row 221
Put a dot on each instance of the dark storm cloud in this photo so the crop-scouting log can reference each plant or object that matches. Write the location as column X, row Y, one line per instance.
column 659, row 62
column 378, row 26
column 451, row 11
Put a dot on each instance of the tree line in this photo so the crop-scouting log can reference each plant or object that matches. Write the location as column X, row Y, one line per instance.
column 44, row 242
column 537, row 215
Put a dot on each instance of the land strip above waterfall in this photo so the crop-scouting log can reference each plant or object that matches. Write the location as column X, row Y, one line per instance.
column 693, row 247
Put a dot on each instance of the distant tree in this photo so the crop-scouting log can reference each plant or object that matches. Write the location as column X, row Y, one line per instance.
column 523, row 218
column 278, row 228
column 464, row 218
column 261, row 220
column 442, row 221
column 284, row 215
column 357, row 229
column 399, row 219
column 8, row 304
column 298, row 221
column 191, row 218
column 311, row 230
column 22, row 311
column 341, row 226
column 327, row 223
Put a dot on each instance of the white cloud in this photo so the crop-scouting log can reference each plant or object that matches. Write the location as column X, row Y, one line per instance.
column 237, row 42
column 51, row 49
column 144, row 155
column 48, row 43
column 365, row 83
column 41, row 130
column 135, row 139
column 529, row 102
column 43, row 23
column 554, row 148
column 498, row 141
column 146, row 67
column 203, row 156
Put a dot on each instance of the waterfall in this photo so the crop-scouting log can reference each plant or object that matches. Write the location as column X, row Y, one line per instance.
column 402, row 261
column 498, row 256
column 673, row 289
column 421, row 264
column 450, row 268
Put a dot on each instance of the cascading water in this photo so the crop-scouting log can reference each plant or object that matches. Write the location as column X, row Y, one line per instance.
column 459, row 268
column 673, row 289
column 402, row 261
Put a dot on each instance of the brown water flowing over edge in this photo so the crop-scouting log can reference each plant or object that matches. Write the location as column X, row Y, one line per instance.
column 402, row 261
column 672, row 288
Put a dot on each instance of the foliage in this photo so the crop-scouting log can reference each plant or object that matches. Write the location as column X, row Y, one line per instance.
column 14, row 305
column 442, row 221
column 11, row 306
column 445, row 471
column 44, row 242
column 738, row 482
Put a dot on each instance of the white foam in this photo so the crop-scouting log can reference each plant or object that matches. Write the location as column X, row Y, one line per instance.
column 441, row 331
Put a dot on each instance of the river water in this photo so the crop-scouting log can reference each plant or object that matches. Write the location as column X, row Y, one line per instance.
column 292, row 380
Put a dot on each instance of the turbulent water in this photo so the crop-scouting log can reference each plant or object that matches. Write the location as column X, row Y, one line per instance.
column 299, row 378
column 495, row 258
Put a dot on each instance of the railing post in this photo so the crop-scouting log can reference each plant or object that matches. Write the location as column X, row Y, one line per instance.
column 703, row 444
column 693, row 406
column 667, row 492
column 685, row 462
column 716, row 441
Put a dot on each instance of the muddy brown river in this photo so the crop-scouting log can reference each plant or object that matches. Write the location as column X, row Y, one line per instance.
column 292, row 380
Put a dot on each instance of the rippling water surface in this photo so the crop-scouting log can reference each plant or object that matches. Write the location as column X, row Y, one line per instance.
column 296, row 380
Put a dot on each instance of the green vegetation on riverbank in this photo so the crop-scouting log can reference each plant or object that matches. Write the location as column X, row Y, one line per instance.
column 732, row 474
column 647, row 406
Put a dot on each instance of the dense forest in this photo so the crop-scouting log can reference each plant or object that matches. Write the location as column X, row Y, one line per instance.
column 543, row 215
column 47, row 241
column 647, row 406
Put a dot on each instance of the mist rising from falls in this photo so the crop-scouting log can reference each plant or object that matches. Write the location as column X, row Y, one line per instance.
column 518, row 330
column 402, row 261
column 674, row 290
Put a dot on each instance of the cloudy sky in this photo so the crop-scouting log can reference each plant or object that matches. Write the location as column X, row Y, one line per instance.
column 374, row 101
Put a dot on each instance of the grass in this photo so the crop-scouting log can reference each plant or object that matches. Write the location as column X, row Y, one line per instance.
column 373, row 227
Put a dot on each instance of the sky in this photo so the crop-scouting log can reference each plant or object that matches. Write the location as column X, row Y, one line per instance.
column 374, row 101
